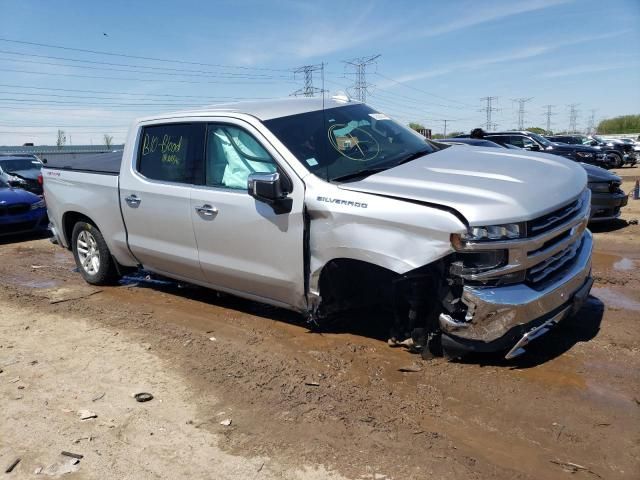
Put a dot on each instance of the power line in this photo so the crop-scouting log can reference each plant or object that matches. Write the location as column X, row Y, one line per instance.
column 308, row 90
column 521, row 101
column 488, row 111
column 402, row 100
column 90, row 104
column 126, row 93
column 95, row 62
column 75, row 75
column 361, row 86
column 93, row 97
column 138, row 57
column 573, row 117
column 185, row 73
column 548, row 114
column 398, row 82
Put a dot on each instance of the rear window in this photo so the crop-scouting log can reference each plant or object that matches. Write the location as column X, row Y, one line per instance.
column 14, row 165
column 172, row 153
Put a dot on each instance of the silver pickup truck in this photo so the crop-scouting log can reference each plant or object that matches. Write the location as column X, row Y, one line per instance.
column 324, row 206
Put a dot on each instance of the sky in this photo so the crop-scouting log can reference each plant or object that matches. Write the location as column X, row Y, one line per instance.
column 90, row 68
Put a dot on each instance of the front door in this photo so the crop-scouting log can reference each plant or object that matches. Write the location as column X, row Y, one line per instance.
column 243, row 245
column 155, row 198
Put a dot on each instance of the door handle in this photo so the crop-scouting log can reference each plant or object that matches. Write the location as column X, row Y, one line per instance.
column 133, row 201
column 207, row 210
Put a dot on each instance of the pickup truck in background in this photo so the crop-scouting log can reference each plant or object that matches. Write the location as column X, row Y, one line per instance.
column 322, row 206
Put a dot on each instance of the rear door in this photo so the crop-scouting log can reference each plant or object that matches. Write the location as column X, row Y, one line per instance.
column 243, row 245
column 155, row 198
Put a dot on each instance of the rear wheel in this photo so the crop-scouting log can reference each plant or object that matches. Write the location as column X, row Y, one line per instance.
column 616, row 159
column 92, row 255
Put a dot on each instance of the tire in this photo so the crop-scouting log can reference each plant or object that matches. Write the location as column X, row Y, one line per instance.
column 92, row 255
column 618, row 161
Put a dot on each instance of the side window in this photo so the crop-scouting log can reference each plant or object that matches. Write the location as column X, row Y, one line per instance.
column 528, row 143
column 517, row 141
column 172, row 153
column 232, row 155
column 498, row 139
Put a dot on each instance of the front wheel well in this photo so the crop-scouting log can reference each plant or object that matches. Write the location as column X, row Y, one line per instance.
column 347, row 283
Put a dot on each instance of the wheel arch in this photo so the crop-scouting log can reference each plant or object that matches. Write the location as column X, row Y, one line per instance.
column 69, row 220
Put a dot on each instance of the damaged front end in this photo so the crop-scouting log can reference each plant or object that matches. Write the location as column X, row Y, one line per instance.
column 511, row 283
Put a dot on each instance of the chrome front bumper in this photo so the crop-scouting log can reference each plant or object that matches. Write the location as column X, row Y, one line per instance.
column 494, row 311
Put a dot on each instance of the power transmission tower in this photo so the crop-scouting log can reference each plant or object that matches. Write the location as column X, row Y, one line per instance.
column 361, row 87
column 592, row 122
column 488, row 110
column 573, row 117
column 548, row 114
column 521, row 102
column 308, row 90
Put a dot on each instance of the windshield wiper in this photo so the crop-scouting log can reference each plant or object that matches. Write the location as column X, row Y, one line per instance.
column 365, row 172
column 412, row 156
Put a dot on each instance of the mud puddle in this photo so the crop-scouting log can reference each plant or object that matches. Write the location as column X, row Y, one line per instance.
column 615, row 299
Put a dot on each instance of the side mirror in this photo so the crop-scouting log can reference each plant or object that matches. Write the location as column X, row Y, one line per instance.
column 533, row 148
column 267, row 188
column 593, row 143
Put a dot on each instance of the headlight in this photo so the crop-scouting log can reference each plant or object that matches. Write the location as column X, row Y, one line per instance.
column 477, row 262
column 493, row 232
column 37, row 205
column 584, row 154
column 600, row 187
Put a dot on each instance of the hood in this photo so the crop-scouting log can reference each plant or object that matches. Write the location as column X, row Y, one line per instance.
column 30, row 174
column 566, row 147
column 17, row 195
column 488, row 186
column 597, row 174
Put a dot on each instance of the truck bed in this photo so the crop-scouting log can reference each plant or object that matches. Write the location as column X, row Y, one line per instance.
column 105, row 163
column 87, row 188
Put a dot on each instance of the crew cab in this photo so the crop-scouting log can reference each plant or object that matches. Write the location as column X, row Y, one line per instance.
column 537, row 143
column 324, row 205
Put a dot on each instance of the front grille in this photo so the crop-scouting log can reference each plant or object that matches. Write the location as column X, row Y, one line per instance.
column 550, row 220
column 16, row 209
column 551, row 246
column 552, row 264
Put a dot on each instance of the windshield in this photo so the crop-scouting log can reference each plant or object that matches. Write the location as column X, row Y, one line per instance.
column 16, row 164
column 541, row 140
column 342, row 141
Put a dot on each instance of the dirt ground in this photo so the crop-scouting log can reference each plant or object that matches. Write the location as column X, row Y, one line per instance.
column 302, row 404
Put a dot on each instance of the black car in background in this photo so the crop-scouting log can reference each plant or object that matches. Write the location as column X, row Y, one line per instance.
column 607, row 198
column 630, row 155
column 537, row 143
column 22, row 171
column 617, row 153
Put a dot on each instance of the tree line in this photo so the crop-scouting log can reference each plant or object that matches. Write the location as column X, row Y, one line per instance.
column 623, row 124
